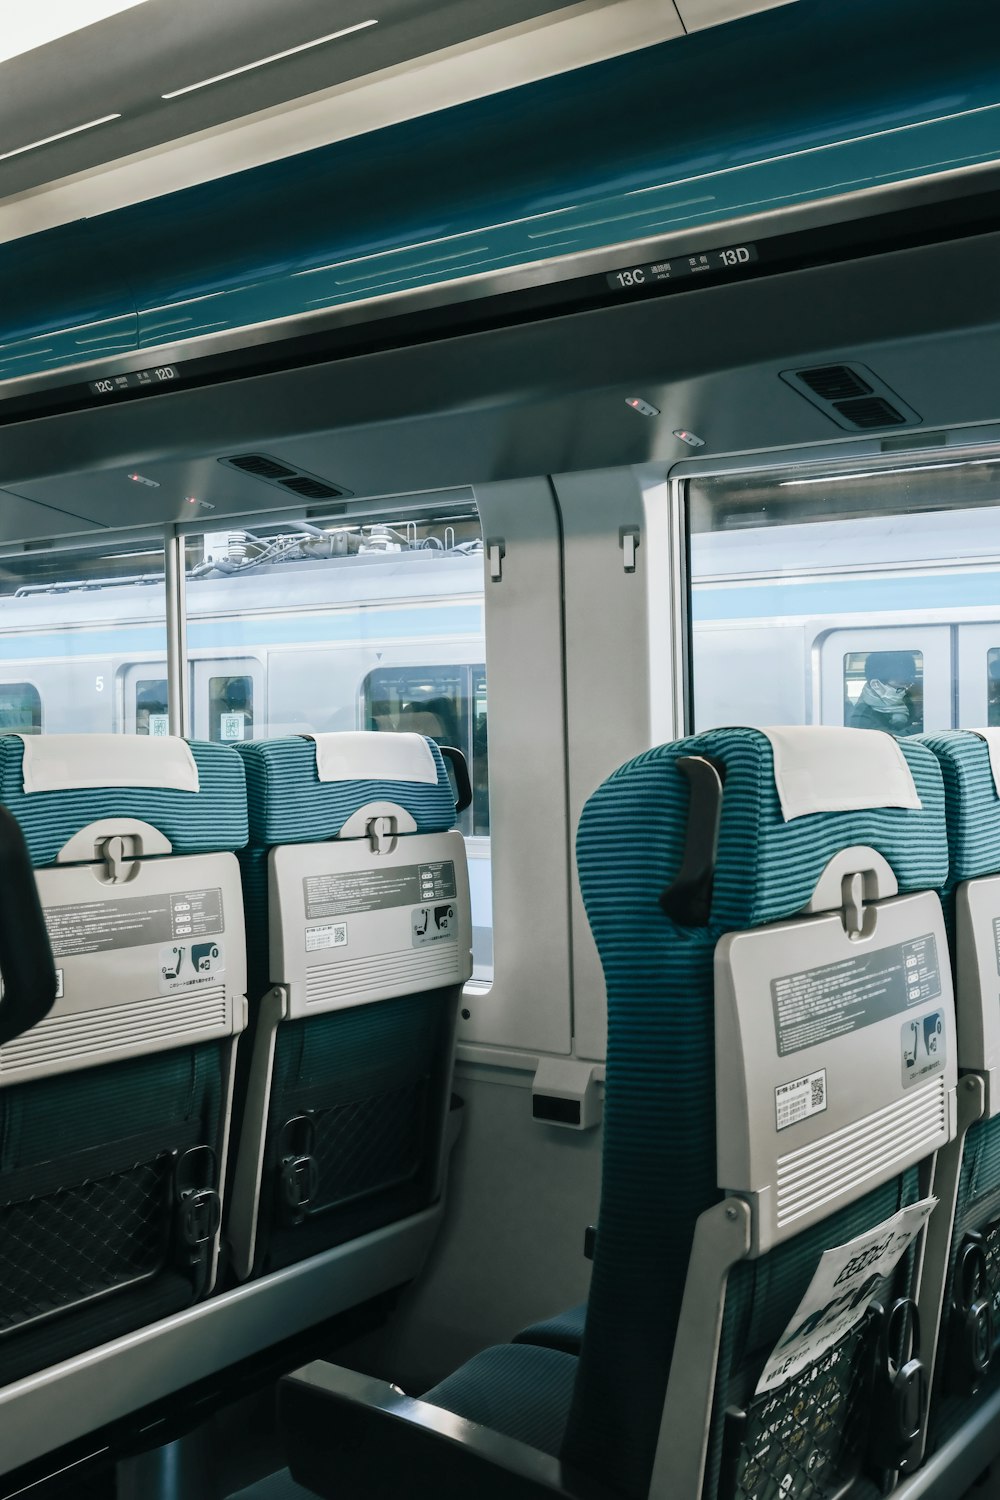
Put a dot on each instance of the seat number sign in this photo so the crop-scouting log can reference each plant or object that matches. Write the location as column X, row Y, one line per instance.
column 732, row 258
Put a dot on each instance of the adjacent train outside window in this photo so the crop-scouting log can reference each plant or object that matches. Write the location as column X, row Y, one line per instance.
column 884, row 690
column 295, row 627
column 847, row 594
column 230, row 708
column 83, row 637
column 151, row 706
column 449, row 706
column 20, row 708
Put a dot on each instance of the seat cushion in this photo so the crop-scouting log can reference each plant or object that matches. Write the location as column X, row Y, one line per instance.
column 564, row 1331
column 288, row 804
column 517, row 1389
column 213, row 818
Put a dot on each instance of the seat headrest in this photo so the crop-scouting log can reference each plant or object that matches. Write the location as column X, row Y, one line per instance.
column 367, row 755
column 970, row 767
column 208, row 818
column 290, row 802
column 766, row 866
column 826, row 768
column 71, row 762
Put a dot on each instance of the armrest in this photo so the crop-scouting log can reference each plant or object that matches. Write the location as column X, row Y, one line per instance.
column 350, row 1437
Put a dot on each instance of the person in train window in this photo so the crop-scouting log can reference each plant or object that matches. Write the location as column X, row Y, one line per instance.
column 993, row 689
column 884, row 701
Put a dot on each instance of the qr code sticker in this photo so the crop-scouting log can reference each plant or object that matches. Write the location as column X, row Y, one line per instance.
column 798, row 1100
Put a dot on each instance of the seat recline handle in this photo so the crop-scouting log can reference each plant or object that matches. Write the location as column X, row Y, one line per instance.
column 27, row 967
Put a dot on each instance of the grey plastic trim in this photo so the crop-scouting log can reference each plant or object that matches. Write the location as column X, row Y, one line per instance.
column 721, row 1238
column 941, row 1229
column 244, row 1205
column 959, row 1462
column 178, row 686
column 66, row 1402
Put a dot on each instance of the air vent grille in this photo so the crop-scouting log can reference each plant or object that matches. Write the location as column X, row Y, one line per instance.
column 312, row 489
column 284, row 476
column 834, row 382
column 852, row 396
column 870, row 411
column 261, row 465
column 383, row 974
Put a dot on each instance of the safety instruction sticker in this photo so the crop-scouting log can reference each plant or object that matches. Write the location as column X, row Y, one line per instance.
column 799, row 1099
column 816, row 1005
column 131, row 921
column 922, row 1048
column 377, row 890
column 333, row 935
column 183, row 965
column 845, row 1282
column 434, row 924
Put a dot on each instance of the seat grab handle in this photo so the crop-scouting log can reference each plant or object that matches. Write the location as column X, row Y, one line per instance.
column 687, row 900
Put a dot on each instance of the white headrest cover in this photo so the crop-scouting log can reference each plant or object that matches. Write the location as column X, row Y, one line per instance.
column 372, row 755
column 992, row 738
column 822, row 768
column 72, row 762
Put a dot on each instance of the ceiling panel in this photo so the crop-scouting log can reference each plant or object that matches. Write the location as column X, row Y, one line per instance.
column 124, row 64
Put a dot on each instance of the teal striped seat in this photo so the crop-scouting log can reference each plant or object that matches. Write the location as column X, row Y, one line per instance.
column 659, row 1170
column 288, row 804
column 601, row 1412
column 370, row 1078
column 93, row 1154
column 213, row 818
column 972, row 812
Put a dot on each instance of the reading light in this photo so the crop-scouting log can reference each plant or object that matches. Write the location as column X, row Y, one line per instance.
column 642, row 407
column 262, row 62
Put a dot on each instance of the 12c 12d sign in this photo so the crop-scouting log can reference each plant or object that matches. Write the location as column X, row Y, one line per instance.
column 135, row 380
column 732, row 258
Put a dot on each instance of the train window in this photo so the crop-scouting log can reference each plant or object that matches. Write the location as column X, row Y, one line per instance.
column 993, row 687
column 842, row 592
column 373, row 619
column 151, row 710
column 448, row 704
column 20, row 708
column 78, row 620
column 230, row 707
column 884, row 690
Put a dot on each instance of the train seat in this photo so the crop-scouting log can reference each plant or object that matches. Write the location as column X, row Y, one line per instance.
column 562, row 1331
column 114, row 1109
column 763, row 868
column 360, row 942
column 960, row 1290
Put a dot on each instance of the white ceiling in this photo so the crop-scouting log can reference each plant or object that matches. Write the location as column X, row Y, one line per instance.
column 430, row 53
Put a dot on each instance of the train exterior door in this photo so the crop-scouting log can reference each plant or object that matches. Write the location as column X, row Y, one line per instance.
column 978, row 686
column 926, row 650
column 228, row 700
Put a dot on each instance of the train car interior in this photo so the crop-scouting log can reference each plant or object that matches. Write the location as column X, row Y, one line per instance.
column 527, row 1040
